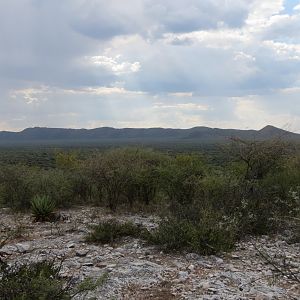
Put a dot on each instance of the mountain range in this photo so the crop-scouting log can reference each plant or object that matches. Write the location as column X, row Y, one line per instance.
column 197, row 134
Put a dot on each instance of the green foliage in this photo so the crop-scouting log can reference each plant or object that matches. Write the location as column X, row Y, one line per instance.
column 15, row 188
column 19, row 184
column 221, row 190
column 255, row 188
column 32, row 281
column 125, row 176
column 42, row 208
column 208, row 236
column 89, row 284
column 41, row 280
column 66, row 160
column 181, row 176
column 144, row 176
column 34, row 156
column 259, row 157
column 112, row 231
column 56, row 184
column 111, row 171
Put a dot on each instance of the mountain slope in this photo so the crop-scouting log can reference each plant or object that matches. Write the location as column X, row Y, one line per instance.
column 197, row 134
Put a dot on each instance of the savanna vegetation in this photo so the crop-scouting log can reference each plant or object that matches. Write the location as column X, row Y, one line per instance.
column 206, row 203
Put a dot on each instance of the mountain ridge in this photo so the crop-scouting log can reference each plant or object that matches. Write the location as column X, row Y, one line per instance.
column 199, row 134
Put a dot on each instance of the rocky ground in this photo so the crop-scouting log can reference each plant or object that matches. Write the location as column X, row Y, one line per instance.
column 139, row 271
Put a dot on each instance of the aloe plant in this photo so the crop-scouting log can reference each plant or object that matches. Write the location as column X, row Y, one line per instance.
column 42, row 208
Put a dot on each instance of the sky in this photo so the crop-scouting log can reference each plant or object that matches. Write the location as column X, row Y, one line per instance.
column 149, row 63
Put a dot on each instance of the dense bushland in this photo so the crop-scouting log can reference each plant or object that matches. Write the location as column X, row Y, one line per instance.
column 204, row 207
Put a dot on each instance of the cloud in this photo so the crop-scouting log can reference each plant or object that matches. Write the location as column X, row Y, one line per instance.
column 190, row 107
column 139, row 63
column 193, row 15
column 31, row 96
column 114, row 65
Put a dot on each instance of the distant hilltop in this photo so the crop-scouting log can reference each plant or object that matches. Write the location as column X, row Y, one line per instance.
column 197, row 134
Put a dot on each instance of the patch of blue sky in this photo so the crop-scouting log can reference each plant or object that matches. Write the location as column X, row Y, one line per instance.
column 289, row 6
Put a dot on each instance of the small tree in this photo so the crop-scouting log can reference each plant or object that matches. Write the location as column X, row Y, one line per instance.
column 260, row 202
column 259, row 157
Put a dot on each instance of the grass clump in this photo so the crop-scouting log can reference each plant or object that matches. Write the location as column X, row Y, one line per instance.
column 111, row 231
column 42, row 281
column 42, row 208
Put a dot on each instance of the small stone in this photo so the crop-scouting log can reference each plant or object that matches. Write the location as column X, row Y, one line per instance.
column 23, row 247
column 204, row 265
column 192, row 256
column 183, row 276
column 71, row 245
column 205, row 285
column 81, row 253
column 101, row 265
column 219, row 260
column 231, row 268
column 191, row 268
column 138, row 264
column 212, row 290
column 268, row 273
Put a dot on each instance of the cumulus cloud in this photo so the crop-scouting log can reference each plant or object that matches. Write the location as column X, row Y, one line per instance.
column 140, row 63
column 114, row 64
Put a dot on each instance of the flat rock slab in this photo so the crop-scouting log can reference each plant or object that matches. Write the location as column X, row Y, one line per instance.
column 139, row 271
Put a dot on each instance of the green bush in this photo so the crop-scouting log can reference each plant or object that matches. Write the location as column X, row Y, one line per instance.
column 56, row 184
column 125, row 176
column 32, row 281
column 267, row 178
column 42, row 281
column 19, row 184
column 259, row 157
column 15, row 188
column 42, row 208
column 112, row 231
column 208, row 236
column 180, row 178
column 143, row 185
column 111, row 172
column 267, row 204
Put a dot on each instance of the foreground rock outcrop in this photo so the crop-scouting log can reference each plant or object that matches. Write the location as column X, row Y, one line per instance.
column 139, row 271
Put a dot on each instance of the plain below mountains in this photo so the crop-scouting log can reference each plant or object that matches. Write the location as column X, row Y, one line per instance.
column 196, row 134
